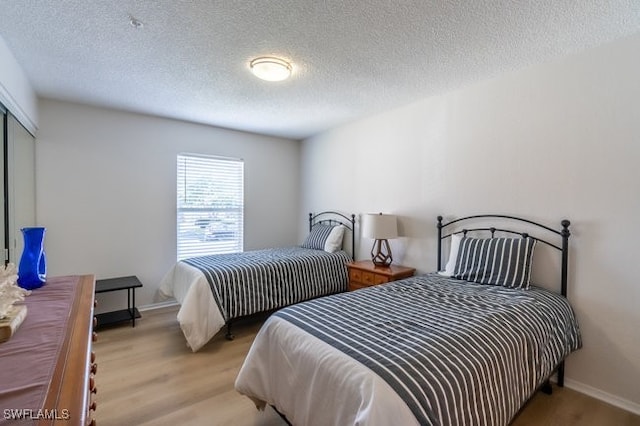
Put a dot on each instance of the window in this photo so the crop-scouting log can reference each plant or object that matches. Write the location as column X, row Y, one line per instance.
column 210, row 205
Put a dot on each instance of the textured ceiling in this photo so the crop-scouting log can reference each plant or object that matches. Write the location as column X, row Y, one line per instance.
column 350, row 58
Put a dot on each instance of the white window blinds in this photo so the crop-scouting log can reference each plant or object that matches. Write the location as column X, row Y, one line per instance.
column 210, row 205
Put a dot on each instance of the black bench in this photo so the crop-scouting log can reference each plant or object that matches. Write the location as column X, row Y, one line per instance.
column 114, row 284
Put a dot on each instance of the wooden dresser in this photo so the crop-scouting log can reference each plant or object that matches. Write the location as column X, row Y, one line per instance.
column 365, row 274
column 47, row 367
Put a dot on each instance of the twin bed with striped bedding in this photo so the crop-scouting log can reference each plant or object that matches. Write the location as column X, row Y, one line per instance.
column 263, row 280
column 428, row 350
column 214, row 290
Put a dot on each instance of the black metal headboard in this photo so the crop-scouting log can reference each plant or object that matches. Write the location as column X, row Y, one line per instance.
column 335, row 218
column 563, row 233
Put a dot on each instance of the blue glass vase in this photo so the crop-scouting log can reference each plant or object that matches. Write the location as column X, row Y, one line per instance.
column 32, row 270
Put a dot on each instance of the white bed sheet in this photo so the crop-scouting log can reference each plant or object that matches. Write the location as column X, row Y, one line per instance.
column 199, row 316
column 298, row 374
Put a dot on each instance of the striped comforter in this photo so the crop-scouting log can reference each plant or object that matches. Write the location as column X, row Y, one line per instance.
column 457, row 353
column 262, row 280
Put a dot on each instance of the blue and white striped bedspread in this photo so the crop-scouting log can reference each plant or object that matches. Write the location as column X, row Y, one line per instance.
column 457, row 353
column 262, row 280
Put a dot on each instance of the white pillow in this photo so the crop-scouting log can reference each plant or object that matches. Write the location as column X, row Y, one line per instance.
column 453, row 256
column 334, row 240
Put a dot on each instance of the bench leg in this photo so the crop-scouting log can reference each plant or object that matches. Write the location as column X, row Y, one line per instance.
column 229, row 335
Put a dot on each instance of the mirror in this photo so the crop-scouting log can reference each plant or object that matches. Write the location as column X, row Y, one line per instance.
column 20, row 177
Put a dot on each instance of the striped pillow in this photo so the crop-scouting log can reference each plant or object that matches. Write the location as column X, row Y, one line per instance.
column 497, row 261
column 317, row 237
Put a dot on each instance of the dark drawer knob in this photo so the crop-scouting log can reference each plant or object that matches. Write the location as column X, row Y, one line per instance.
column 94, row 368
column 94, row 337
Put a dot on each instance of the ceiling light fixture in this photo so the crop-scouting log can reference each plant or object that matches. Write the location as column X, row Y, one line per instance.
column 270, row 69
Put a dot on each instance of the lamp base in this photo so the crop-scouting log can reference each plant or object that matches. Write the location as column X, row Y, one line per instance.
column 381, row 253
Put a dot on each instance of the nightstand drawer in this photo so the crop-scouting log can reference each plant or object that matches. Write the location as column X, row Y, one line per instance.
column 356, row 286
column 380, row 279
column 368, row 278
column 365, row 274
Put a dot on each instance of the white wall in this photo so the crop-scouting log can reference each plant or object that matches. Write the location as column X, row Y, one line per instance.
column 16, row 92
column 555, row 141
column 106, row 191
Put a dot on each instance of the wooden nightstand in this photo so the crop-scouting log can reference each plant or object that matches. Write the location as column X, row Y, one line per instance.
column 365, row 274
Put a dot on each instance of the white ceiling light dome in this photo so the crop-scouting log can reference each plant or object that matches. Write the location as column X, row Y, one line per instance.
column 270, row 68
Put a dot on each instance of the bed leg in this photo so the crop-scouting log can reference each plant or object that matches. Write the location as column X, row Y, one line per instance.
column 561, row 374
column 546, row 387
column 229, row 335
column 282, row 416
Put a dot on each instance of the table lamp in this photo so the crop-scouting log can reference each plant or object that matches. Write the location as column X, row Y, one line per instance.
column 380, row 227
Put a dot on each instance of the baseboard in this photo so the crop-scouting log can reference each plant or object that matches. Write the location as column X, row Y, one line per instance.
column 158, row 305
column 603, row 396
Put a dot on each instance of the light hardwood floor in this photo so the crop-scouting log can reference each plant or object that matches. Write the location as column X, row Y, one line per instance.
column 148, row 376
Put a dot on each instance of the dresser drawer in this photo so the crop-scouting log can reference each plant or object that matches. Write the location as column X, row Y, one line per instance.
column 355, row 275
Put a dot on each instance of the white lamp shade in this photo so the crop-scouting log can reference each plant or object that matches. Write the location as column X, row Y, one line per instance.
column 380, row 226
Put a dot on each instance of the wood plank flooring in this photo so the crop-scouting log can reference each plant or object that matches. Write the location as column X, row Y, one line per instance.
column 148, row 376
